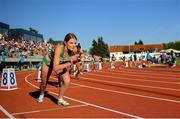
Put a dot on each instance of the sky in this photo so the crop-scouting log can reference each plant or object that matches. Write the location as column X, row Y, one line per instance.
column 119, row 22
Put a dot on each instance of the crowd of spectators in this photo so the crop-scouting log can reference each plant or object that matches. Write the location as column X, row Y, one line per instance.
column 15, row 48
column 21, row 50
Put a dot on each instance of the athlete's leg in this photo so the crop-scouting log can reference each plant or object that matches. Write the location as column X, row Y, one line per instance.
column 45, row 75
column 65, row 77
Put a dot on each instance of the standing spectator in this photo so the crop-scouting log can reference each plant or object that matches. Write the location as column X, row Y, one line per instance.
column 164, row 58
column 21, row 62
column 148, row 58
column 172, row 59
column 135, row 59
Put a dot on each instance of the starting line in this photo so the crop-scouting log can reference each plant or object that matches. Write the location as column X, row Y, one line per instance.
column 51, row 109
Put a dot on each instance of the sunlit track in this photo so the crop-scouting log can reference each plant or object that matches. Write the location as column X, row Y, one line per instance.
column 103, row 93
column 125, row 78
column 86, row 103
column 136, row 85
column 125, row 93
column 144, row 73
column 144, row 76
column 163, row 70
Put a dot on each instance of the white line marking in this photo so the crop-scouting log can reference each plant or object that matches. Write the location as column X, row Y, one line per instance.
column 45, row 110
column 86, row 103
column 149, row 76
column 132, row 94
column 75, row 86
column 138, row 71
column 6, row 113
column 125, row 78
column 133, row 84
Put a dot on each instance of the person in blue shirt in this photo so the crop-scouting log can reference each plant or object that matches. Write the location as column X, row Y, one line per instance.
column 148, row 58
column 21, row 61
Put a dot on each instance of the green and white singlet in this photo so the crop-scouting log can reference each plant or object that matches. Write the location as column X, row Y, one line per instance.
column 62, row 57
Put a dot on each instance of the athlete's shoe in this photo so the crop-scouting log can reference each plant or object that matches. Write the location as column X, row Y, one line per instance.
column 62, row 102
column 40, row 99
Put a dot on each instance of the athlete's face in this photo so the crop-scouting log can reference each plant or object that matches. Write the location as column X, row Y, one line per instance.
column 71, row 44
column 78, row 49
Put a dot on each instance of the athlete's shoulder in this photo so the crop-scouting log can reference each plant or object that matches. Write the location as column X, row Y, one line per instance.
column 59, row 46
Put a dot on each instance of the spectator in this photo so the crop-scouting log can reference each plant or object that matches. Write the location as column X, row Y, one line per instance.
column 21, row 62
column 172, row 59
column 148, row 58
column 2, row 61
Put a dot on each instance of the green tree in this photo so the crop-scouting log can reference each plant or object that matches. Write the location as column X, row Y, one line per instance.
column 94, row 48
column 99, row 48
column 173, row 45
column 140, row 42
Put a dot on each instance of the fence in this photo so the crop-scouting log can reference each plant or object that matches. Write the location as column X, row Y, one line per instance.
column 28, row 63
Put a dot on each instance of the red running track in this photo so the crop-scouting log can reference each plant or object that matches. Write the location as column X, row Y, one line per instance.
column 122, row 93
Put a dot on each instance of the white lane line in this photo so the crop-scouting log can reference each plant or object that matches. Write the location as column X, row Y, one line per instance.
column 86, row 103
column 119, row 92
column 162, row 71
column 138, row 72
column 132, row 94
column 51, row 109
column 75, row 86
column 149, row 76
column 6, row 113
column 155, row 87
column 55, row 88
column 125, row 78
